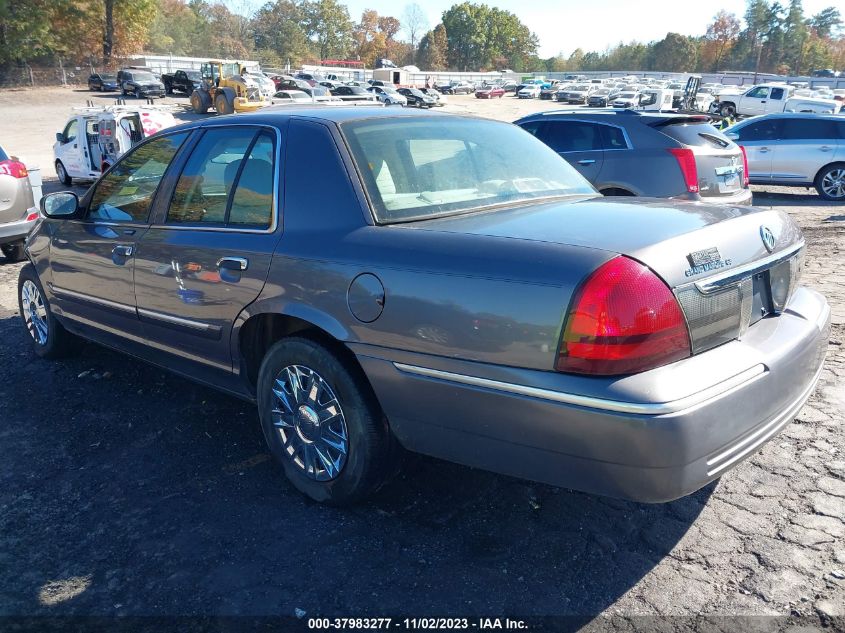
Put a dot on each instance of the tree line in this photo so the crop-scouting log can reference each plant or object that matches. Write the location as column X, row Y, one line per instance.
column 770, row 37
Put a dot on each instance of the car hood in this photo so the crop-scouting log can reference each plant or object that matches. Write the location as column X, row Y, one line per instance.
column 659, row 232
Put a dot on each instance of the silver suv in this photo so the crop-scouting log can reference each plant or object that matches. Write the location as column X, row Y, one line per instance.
column 795, row 149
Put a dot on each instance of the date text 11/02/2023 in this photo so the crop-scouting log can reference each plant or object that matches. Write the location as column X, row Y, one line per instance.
column 435, row 624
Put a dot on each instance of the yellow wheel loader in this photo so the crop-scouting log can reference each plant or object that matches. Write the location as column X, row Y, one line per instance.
column 226, row 88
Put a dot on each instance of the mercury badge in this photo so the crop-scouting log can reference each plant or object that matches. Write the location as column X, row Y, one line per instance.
column 703, row 261
column 768, row 238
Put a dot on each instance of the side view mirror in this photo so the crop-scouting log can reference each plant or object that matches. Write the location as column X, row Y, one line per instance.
column 61, row 205
column 60, row 137
column 732, row 135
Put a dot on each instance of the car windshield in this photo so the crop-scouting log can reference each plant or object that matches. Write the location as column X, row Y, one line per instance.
column 136, row 76
column 627, row 95
column 389, row 90
column 194, row 75
column 108, row 77
column 417, row 168
column 602, row 92
column 581, row 88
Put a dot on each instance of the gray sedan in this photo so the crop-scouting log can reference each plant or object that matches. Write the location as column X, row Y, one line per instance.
column 374, row 279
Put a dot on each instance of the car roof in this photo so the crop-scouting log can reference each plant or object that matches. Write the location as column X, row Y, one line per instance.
column 276, row 116
column 791, row 115
column 619, row 114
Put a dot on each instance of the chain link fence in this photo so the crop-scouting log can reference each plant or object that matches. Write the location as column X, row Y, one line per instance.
column 55, row 72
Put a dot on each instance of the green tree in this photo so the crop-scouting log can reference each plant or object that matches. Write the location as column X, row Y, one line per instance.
column 279, row 27
column 827, row 22
column 674, row 53
column 434, row 49
column 720, row 38
column 328, row 25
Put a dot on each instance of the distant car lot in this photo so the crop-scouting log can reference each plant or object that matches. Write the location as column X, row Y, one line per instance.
column 105, row 515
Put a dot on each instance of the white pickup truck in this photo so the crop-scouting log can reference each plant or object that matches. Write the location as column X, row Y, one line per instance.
column 770, row 98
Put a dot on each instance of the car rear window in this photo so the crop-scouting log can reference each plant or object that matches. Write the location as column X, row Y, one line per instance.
column 696, row 135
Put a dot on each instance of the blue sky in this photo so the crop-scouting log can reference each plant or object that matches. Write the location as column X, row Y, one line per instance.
column 564, row 25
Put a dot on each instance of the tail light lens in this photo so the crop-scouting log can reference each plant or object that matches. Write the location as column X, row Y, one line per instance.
column 623, row 320
column 13, row 168
column 745, row 176
column 686, row 161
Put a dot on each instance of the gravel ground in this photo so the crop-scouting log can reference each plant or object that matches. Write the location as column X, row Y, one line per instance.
column 125, row 490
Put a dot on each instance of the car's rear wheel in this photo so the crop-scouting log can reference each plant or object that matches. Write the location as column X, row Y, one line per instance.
column 137, row 93
column 14, row 251
column 322, row 422
column 62, row 174
column 49, row 338
column 727, row 109
column 830, row 183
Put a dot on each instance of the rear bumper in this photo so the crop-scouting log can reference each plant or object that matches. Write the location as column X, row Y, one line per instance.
column 743, row 197
column 18, row 230
column 652, row 437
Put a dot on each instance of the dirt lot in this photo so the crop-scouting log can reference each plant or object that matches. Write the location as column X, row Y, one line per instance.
column 125, row 490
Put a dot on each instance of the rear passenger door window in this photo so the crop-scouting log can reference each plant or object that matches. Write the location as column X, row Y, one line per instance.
column 572, row 136
column 801, row 129
column 764, row 131
column 227, row 181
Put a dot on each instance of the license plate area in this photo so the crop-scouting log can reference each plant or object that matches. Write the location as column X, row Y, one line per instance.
column 727, row 178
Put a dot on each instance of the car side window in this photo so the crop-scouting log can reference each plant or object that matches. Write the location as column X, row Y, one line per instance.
column 252, row 201
column 777, row 93
column 571, row 136
column 125, row 193
column 804, row 129
column 613, row 137
column 759, row 93
column 204, row 187
column 760, row 131
column 532, row 127
column 71, row 131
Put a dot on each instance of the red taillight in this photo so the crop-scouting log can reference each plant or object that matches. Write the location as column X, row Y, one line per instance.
column 745, row 178
column 32, row 216
column 13, row 168
column 623, row 320
column 686, row 161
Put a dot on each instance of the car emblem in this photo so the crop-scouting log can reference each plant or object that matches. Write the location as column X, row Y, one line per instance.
column 768, row 238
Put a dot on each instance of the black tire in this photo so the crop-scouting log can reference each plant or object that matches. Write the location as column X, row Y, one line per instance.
column 62, row 174
column 59, row 343
column 727, row 109
column 221, row 104
column 137, row 93
column 14, row 251
column 199, row 102
column 826, row 182
column 370, row 458
column 168, row 89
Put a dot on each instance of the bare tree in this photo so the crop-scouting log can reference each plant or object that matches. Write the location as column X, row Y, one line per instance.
column 414, row 23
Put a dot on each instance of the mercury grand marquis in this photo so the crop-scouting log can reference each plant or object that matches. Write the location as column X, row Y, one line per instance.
column 375, row 280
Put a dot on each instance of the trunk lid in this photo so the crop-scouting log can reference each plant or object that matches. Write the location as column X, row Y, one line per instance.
column 728, row 266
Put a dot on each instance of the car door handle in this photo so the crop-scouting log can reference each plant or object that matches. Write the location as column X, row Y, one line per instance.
column 763, row 150
column 122, row 250
column 586, row 161
column 825, row 148
column 763, row 101
column 233, row 263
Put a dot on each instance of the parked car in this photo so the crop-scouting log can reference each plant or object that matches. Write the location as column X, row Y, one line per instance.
column 140, row 83
column 439, row 98
column 509, row 86
column 103, row 82
column 490, row 92
column 302, row 85
column 266, row 86
column 602, row 98
column 290, row 96
column 580, row 93
column 549, row 92
column 805, row 150
column 390, row 295
column 416, row 97
column 530, row 91
column 184, row 81
column 17, row 211
column 770, row 98
column 353, row 93
column 388, row 95
column 458, row 88
column 647, row 154
column 627, row 99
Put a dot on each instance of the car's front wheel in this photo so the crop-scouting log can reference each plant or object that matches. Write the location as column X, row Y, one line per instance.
column 322, row 422
column 49, row 338
column 830, row 183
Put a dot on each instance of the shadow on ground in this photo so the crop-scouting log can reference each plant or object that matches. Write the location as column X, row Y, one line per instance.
column 127, row 490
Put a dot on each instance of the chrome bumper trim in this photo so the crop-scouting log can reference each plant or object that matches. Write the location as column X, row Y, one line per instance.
column 693, row 401
column 735, row 275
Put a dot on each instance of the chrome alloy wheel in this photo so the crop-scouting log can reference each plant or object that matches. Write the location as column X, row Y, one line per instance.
column 34, row 312
column 310, row 422
column 833, row 183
